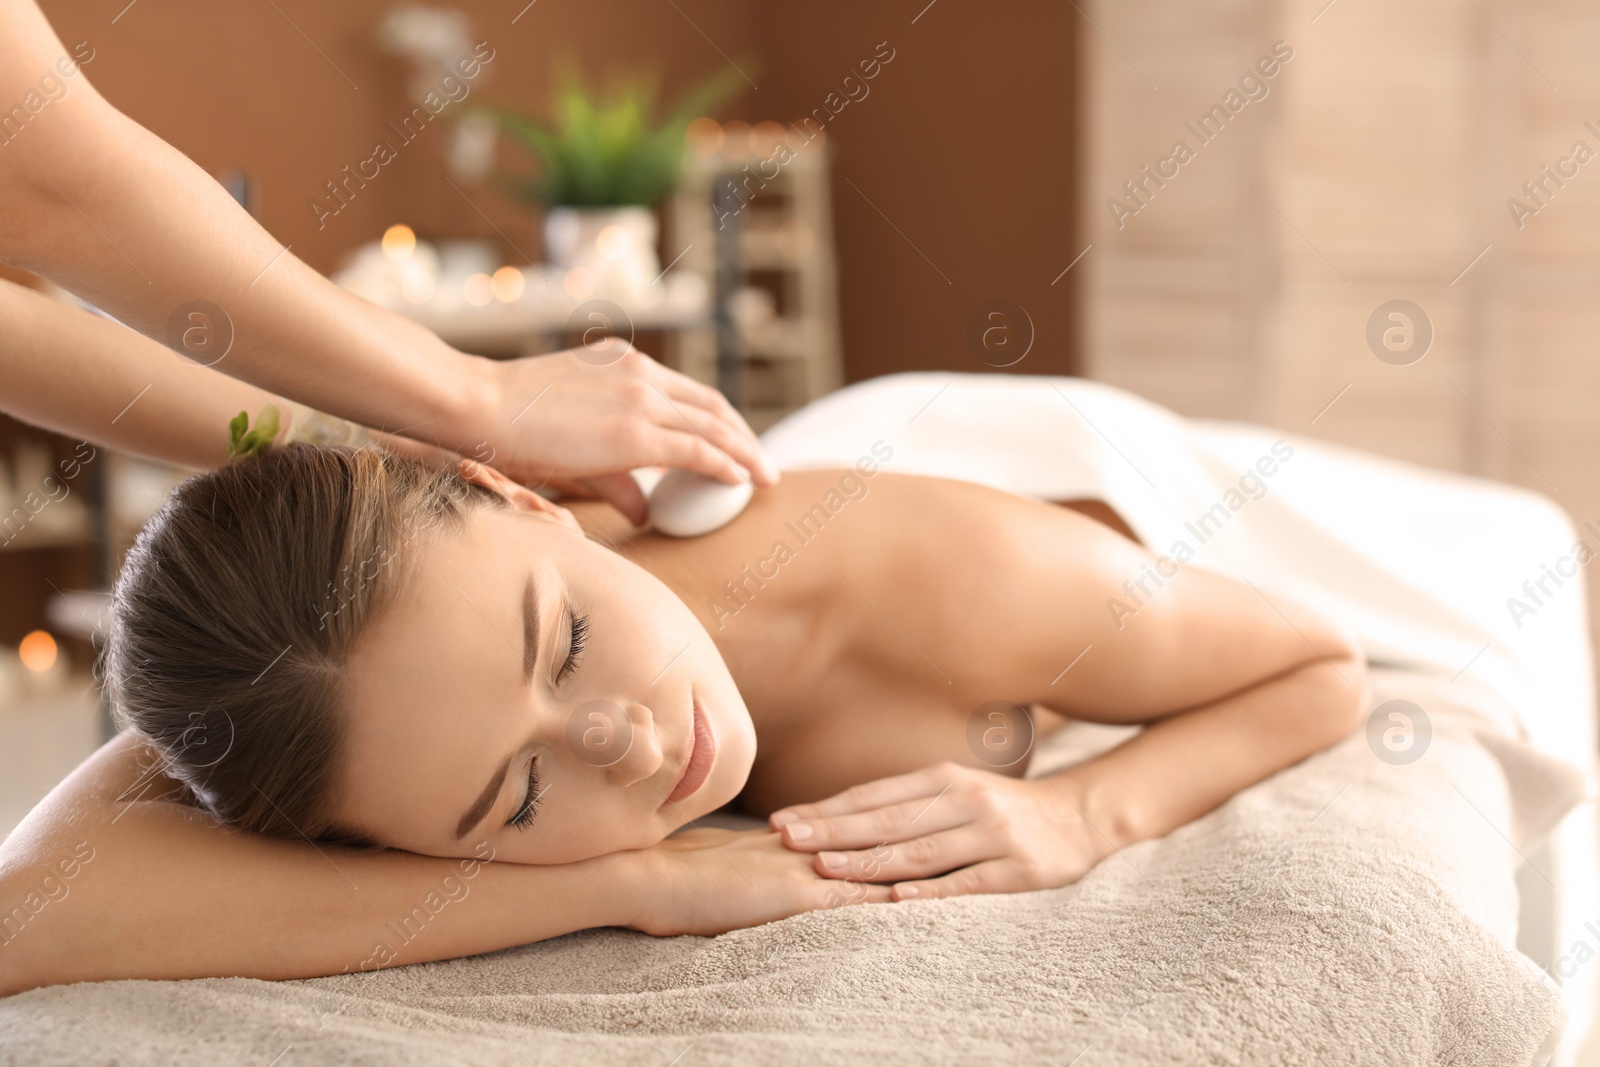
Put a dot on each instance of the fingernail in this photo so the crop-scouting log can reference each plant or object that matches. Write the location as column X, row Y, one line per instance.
column 780, row 819
column 799, row 832
column 905, row 892
column 832, row 860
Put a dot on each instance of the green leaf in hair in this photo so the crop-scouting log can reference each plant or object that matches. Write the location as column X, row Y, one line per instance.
column 236, row 428
column 243, row 443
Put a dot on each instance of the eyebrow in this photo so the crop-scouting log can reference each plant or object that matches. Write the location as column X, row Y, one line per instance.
column 530, row 653
column 530, row 631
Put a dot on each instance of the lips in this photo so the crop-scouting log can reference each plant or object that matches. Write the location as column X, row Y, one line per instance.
column 697, row 764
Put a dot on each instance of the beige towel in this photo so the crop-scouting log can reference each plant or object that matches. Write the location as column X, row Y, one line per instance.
column 1345, row 911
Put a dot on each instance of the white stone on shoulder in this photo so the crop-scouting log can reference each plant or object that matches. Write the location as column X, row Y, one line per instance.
column 686, row 504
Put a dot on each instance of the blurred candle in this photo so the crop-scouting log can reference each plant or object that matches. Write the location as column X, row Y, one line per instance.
column 399, row 241
column 38, row 651
column 508, row 284
column 704, row 136
column 479, row 290
column 46, row 666
column 736, row 137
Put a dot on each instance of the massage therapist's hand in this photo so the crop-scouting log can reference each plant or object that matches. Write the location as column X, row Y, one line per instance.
column 949, row 830
column 582, row 419
column 707, row 881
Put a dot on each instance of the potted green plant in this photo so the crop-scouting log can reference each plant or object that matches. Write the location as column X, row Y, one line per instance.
column 603, row 160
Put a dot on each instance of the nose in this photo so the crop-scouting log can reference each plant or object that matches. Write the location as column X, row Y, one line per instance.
column 619, row 740
column 644, row 756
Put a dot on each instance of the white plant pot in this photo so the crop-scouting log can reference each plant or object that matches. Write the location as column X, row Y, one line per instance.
column 617, row 243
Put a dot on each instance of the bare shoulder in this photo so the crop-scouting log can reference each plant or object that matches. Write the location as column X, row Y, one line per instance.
column 991, row 579
column 989, row 526
column 910, row 530
column 125, row 769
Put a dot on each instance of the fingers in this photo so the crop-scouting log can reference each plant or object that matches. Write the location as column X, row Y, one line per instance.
column 840, row 894
column 743, row 444
column 704, row 412
column 920, row 857
column 886, row 825
column 990, row 876
column 621, row 492
column 683, row 388
column 672, row 448
column 629, row 413
column 927, row 782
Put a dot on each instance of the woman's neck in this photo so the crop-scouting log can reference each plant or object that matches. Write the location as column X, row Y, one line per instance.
column 763, row 613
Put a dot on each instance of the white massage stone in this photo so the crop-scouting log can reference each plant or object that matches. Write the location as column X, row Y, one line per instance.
column 686, row 504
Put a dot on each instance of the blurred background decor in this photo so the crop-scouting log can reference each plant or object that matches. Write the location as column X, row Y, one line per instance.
column 604, row 160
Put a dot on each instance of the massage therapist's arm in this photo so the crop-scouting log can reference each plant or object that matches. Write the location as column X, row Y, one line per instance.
column 130, row 393
column 157, row 889
column 126, row 391
column 109, row 211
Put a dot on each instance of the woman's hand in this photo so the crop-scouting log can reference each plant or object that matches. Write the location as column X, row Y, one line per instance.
column 709, row 881
column 949, row 830
column 578, row 423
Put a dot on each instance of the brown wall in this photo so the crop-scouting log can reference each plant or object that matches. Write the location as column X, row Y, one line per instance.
column 966, row 146
column 965, row 142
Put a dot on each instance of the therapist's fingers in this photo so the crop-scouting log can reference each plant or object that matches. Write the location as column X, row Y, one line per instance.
column 602, row 420
column 732, row 433
column 673, row 447
column 621, row 492
column 715, row 449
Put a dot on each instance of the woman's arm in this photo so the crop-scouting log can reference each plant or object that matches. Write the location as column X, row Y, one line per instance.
column 105, row 880
column 952, row 829
column 1182, row 766
column 1234, row 686
column 160, row 891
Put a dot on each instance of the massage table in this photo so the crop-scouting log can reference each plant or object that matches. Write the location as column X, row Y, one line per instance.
column 1357, row 908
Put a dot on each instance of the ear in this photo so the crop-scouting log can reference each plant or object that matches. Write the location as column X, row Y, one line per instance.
column 520, row 497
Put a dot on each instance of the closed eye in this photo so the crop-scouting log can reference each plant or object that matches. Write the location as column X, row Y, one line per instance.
column 530, row 804
column 577, row 637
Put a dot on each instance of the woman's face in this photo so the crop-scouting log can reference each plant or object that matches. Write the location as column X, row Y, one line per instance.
column 519, row 647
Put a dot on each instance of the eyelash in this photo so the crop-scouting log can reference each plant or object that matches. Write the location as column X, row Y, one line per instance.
column 580, row 634
column 530, row 807
column 524, row 816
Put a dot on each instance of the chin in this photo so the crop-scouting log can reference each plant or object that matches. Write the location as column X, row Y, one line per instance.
column 736, row 754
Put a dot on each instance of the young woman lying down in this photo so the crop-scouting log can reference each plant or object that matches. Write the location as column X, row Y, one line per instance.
column 384, row 713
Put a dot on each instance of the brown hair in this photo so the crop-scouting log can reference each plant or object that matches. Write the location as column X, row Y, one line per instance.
column 238, row 609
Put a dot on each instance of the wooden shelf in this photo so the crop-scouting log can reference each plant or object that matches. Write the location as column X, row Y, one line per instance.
column 783, row 227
